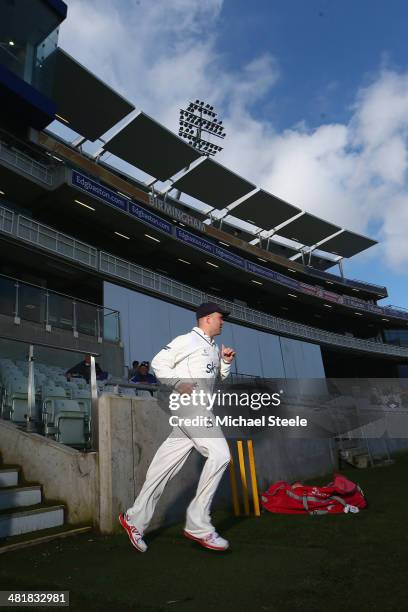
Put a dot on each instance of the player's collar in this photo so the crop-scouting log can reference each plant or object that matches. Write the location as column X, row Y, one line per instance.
column 203, row 335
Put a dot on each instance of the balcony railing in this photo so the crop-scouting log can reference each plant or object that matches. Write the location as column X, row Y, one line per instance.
column 55, row 241
column 40, row 171
column 342, row 280
column 6, row 220
column 160, row 284
column 28, row 302
column 26, row 164
column 115, row 267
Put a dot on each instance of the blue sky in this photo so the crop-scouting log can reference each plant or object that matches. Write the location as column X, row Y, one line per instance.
column 314, row 96
column 326, row 50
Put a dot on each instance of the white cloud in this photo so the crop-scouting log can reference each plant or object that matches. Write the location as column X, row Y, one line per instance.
column 381, row 110
column 156, row 53
column 353, row 174
column 395, row 232
column 160, row 54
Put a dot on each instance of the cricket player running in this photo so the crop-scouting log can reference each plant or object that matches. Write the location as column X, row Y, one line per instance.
column 189, row 362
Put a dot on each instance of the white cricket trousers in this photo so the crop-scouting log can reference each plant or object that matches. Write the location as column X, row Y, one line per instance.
column 167, row 462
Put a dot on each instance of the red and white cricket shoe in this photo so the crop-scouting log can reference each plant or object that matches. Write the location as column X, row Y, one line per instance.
column 134, row 534
column 213, row 541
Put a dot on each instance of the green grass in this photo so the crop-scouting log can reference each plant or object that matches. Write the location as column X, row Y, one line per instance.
column 277, row 563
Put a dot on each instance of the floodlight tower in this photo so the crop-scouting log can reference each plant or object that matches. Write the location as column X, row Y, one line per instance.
column 199, row 118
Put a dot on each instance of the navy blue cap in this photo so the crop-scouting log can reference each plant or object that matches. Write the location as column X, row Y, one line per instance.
column 208, row 308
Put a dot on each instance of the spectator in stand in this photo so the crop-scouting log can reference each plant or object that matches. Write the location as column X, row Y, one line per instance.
column 143, row 375
column 83, row 370
column 133, row 370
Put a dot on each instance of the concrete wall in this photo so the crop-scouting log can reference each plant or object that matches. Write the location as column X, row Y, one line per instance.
column 131, row 430
column 67, row 475
column 96, row 487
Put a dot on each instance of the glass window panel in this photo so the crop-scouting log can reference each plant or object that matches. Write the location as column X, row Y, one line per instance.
column 60, row 311
column 32, row 303
column 87, row 321
column 28, row 31
column 110, row 325
column 7, row 296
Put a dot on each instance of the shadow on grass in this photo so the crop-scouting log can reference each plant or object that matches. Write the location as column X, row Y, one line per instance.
column 276, row 562
column 222, row 527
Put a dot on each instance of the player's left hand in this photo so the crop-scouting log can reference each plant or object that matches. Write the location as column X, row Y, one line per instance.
column 227, row 353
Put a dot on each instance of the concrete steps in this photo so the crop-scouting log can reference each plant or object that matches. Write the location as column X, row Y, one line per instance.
column 9, row 476
column 42, row 537
column 25, row 518
column 15, row 521
column 18, row 496
column 358, row 457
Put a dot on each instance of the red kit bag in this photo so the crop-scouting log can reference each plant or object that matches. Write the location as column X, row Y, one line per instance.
column 341, row 495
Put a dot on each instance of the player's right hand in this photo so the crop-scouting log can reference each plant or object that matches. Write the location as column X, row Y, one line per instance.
column 184, row 387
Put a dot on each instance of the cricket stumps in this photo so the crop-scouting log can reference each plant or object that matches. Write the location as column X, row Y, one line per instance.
column 240, row 454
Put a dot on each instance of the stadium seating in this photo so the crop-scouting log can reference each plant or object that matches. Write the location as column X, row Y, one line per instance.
column 62, row 408
column 18, row 399
column 83, row 397
column 68, row 386
column 14, row 398
column 66, row 421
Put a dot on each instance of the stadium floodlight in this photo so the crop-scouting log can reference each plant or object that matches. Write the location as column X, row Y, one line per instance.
column 199, row 118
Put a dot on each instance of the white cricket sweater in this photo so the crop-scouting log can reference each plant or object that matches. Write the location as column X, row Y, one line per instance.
column 192, row 357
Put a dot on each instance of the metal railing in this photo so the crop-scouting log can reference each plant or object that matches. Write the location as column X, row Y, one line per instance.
column 160, row 284
column 40, row 171
column 57, row 242
column 349, row 282
column 147, row 279
column 116, row 267
column 359, row 282
column 6, row 220
column 392, row 307
column 35, row 411
column 118, row 386
column 298, row 330
column 52, row 309
column 26, row 164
